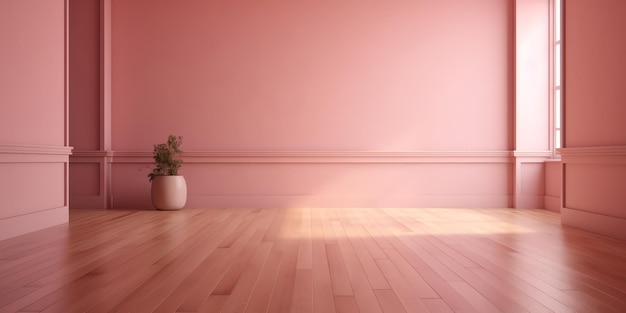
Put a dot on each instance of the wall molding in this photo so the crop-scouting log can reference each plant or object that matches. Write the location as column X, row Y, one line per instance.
column 383, row 157
column 532, row 154
column 593, row 151
column 594, row 155
column 91, row 154
column 24, row 153
column 34, row 149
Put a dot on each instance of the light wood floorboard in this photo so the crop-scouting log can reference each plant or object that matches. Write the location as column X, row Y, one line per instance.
column 313, row 260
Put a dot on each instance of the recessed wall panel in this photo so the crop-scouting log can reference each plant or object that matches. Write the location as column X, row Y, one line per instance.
column 31, row 187
column 85, row 179
column 596, row 188
column 323, row 185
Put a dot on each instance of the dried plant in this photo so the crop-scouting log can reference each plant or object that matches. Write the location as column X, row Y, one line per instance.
column 164, row 155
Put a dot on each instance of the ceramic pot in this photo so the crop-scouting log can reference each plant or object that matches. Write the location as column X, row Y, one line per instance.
column 169, row 192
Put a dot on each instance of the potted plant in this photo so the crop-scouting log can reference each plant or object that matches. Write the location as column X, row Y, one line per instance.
column 169, row 190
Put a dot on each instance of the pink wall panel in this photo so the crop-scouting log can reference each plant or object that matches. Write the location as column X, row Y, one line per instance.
column 532, row 100
column 553, row 184
column 533, row 179
column 88, row 117
column 84, row 179
column 595, row 68
column 553, row 181
column 596, row 187
column 355, row 179
column 130, row 188
column 31, row 187
column 595, row 133
column 324, row 184
column 312, row 75
column 85, row 74
column 529, row 182
column 32, row 83
column 33, row 145
column 532, row 75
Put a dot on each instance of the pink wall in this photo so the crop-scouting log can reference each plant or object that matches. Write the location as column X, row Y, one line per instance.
column 553, row 185
column 312, row 75
column 84, row 74
column 88, row 165
column 595, row 74
column 532, row 101
column 32, row 64
column 331, row 179
column 33, row 138
column 532, row 75
column 595, row 133
column 280, row 81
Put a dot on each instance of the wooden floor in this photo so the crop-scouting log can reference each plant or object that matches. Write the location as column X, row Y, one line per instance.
column 313, row 260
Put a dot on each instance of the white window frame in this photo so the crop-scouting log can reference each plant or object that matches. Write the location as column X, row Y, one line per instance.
column 556, row 102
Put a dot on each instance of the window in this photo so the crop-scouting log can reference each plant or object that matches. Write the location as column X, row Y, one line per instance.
column 557, row 61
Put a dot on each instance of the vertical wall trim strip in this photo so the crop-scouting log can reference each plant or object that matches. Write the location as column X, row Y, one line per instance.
column 105, row 99
column 66, row 96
